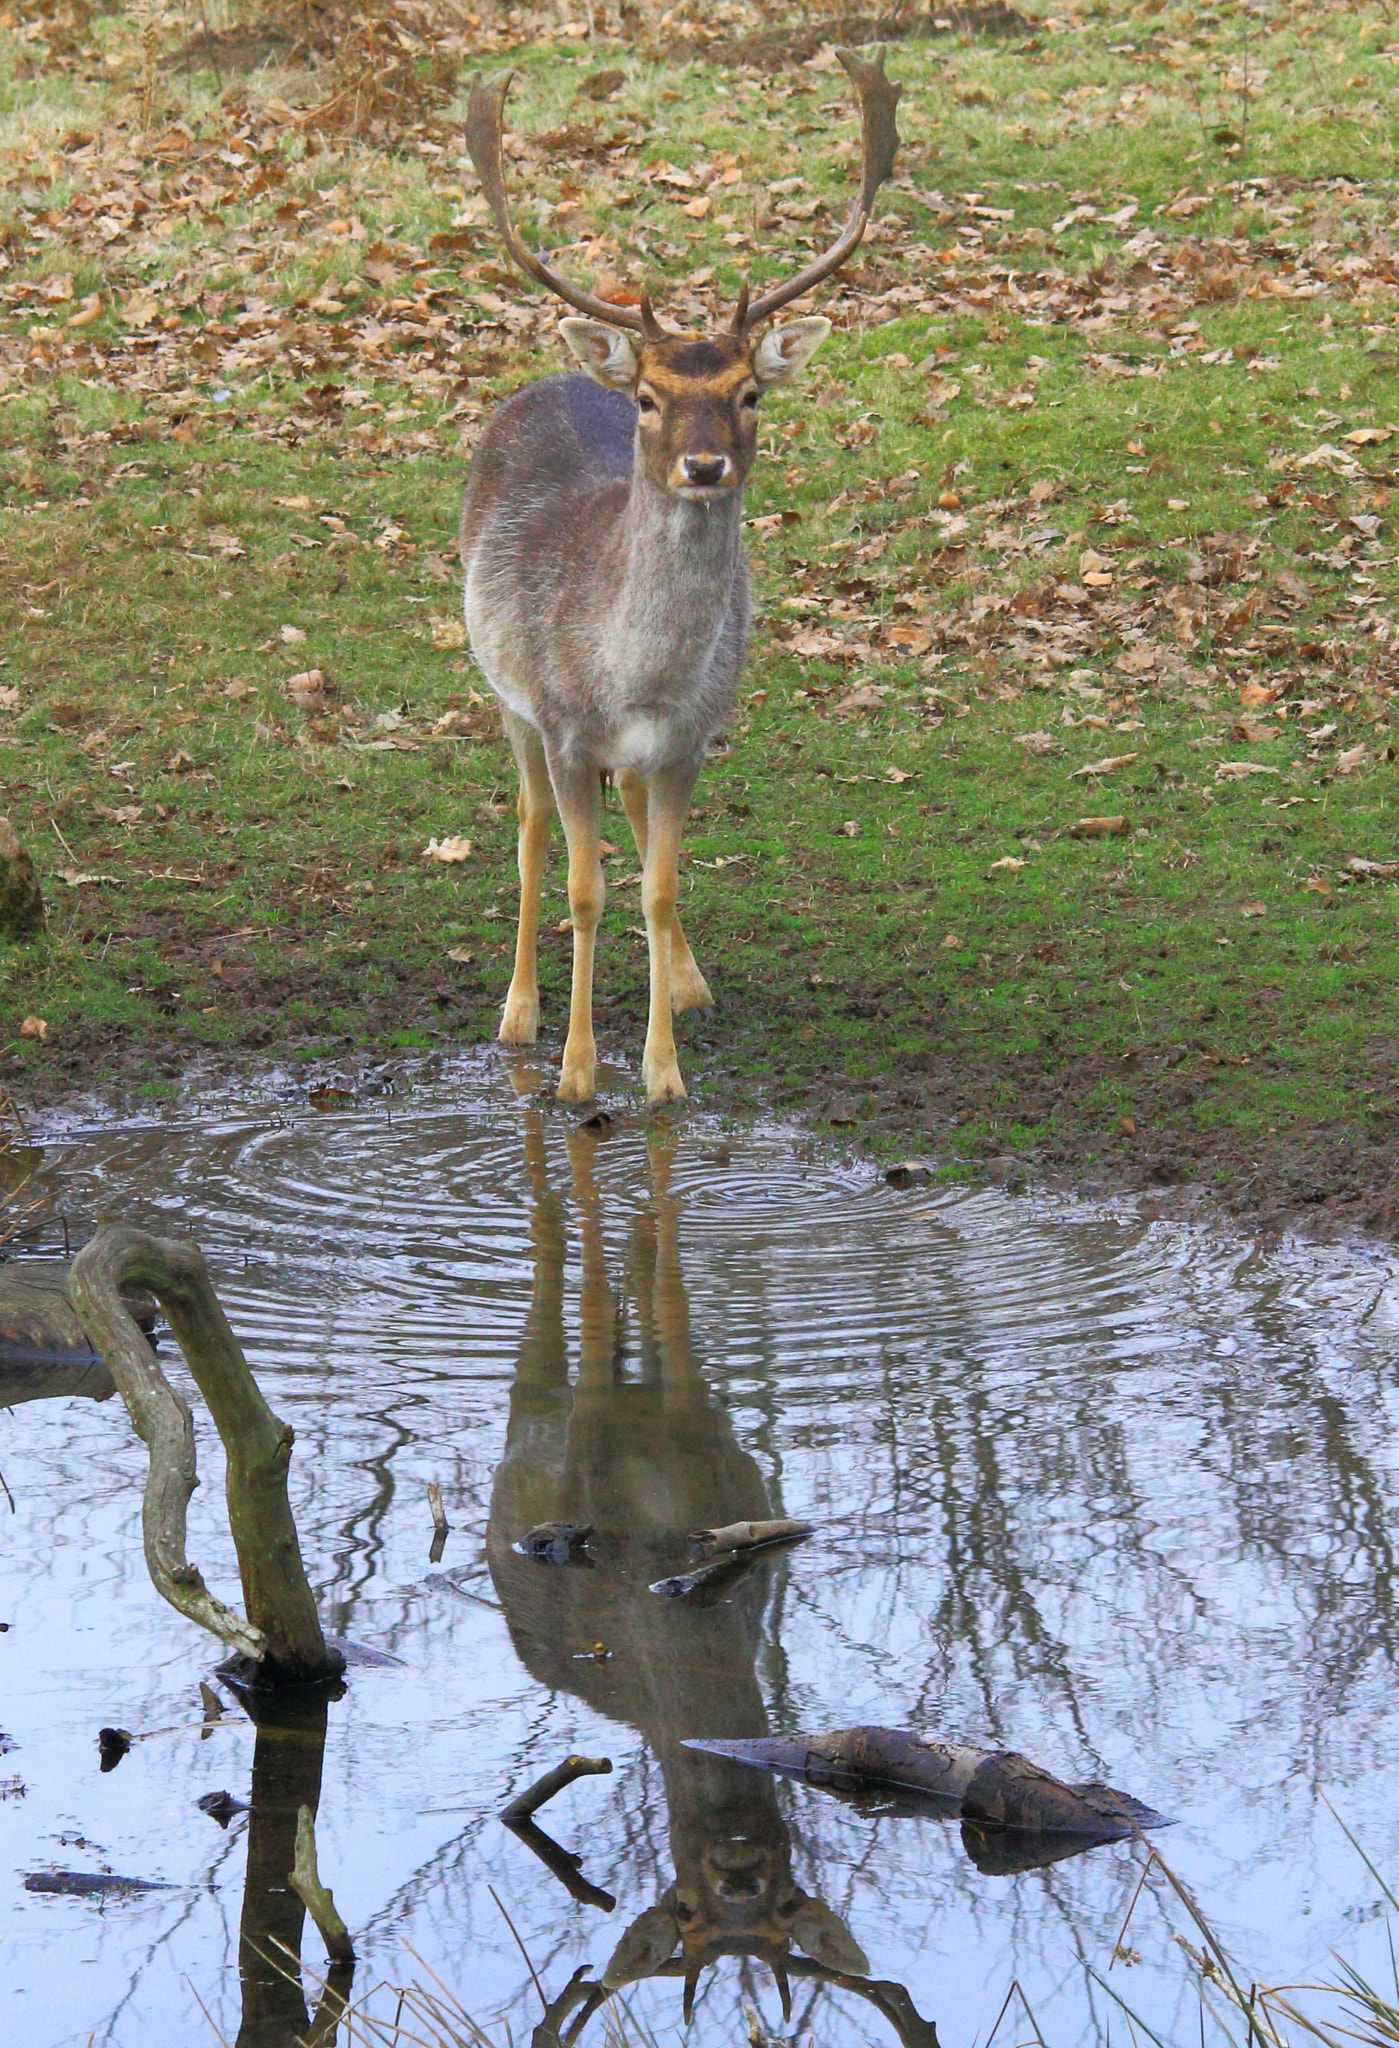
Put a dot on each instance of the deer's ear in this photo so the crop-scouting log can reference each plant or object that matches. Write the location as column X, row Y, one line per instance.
column 824, row 1936
column 604, row 352
column 650, row 1940
column 783, row 352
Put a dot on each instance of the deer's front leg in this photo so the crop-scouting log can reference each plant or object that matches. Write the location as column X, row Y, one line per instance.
column 688, row 988
column 668, row 804
column 578, row 792
column 520, row 1023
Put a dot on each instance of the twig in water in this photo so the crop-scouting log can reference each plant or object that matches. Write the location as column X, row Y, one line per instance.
column 545, row 1788
column 1121, row 1932
column 11, row 1499
column 441, row 1527
column 534, row 1974
column 305, row 1880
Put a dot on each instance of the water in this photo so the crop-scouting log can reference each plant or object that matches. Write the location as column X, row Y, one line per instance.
column 1117, row 1495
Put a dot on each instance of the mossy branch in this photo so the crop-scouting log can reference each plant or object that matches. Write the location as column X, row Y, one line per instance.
column 305, row 1880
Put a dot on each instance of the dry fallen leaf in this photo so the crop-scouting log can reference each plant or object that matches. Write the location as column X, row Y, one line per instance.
column 308, row 689
column 1349, row 759
column 1007, row 861
column 1099, row 828
column 461, row 954
column 291, row 636
column 452, row 848
column 1033, row 742
column 1106, row 766
column 1372, row 870
column 869, row 697
column 1137, row 660
column 446, row 633
column 898, row 775
column 34, row 1027
column 1253, row 696
column 951, row 943
column 1233, row 771
column 1253, row 909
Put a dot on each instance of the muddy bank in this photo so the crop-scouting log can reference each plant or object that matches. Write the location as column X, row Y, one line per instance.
column 1021, row 1121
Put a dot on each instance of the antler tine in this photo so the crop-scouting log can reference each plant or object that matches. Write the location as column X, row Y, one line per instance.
column 784, row 1987
column 878, row 97
column 739, row 323
column 484, row 119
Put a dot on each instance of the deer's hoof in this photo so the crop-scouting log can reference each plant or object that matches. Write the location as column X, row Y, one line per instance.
column 663, row 1082
column 690, row 991
column 578, row 1081
column 520, row 1023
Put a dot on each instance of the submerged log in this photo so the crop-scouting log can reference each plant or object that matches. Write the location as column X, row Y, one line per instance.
column 994, row 1789
column 281, row 1637
column 37, row 1312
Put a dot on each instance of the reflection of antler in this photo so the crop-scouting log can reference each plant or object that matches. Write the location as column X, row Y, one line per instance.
column 889, row 1999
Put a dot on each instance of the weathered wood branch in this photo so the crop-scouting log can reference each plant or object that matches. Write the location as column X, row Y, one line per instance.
column 305, row 1880
column 282, row 1633
column 528, row 1802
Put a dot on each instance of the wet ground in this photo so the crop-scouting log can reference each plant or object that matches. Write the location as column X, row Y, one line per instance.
column 1119, row 1495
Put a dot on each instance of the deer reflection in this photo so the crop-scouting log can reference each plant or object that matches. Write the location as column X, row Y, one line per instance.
column 645, row 1456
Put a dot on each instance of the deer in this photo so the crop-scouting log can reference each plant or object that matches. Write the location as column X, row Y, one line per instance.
column 605, row 590
column 643, row 1459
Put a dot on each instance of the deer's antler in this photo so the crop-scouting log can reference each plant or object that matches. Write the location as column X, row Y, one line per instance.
column 484, row 117
column 878, row 97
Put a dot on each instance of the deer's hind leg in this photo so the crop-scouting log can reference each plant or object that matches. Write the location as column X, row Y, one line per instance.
column 688, row 988
column 520, row 1023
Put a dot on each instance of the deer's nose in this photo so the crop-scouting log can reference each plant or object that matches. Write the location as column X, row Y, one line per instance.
column 705, row 469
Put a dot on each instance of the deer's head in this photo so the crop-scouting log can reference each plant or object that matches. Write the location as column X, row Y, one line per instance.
column 696, row 396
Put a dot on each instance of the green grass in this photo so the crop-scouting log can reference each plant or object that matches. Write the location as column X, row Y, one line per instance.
column 1143, row 389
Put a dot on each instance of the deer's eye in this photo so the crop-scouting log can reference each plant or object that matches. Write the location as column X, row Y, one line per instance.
column 750, row 400
column 645, row 402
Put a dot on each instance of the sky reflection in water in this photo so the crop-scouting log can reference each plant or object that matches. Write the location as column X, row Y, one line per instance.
column 1117, row 1496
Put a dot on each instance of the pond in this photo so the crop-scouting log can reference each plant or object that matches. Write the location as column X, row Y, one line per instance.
column 1118, row 1495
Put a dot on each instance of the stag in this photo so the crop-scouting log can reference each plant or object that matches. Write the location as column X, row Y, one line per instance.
column 606, row 593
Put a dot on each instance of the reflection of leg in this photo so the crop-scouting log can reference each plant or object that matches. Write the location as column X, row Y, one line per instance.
column 680, row 1375
column 520, row 1023
column 688, row 988
column 597, row 1307
column 543, row 1359
column 579, row 796
column 668, row 802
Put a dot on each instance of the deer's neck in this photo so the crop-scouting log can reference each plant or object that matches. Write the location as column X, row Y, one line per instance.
column 675, row 563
